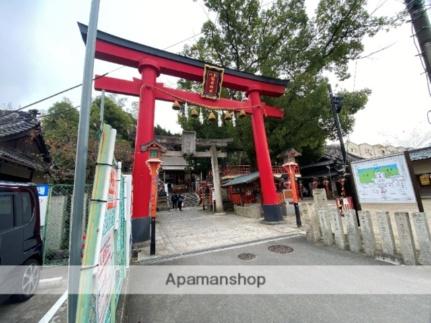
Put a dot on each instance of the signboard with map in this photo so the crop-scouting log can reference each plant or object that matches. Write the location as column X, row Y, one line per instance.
column 383, row 180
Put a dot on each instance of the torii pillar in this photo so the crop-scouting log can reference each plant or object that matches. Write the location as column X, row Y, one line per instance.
column 144, row 134
column 272, row 208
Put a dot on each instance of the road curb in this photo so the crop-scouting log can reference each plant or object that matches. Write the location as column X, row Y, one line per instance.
column 153, row 260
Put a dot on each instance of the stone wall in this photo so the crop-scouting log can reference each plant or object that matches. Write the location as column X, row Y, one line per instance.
column 391, row 209
column 396, row 235
column 249, row 210
column 55, row 222
column 368, row 151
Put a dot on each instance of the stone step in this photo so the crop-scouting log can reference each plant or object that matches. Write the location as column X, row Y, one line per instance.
column 190, row 199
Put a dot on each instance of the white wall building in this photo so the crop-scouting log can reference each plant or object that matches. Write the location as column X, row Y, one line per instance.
column 365, row 150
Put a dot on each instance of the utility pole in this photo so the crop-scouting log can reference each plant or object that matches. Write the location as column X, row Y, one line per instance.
column 78, row 199
column 421, row 23
column 336, row 104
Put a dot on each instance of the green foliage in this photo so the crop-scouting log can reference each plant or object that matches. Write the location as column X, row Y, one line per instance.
column 60, row 129
column 160, row 131
column 283, row 41
column 115, row 116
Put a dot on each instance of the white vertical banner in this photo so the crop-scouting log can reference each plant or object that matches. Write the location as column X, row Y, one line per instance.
column 43, row 192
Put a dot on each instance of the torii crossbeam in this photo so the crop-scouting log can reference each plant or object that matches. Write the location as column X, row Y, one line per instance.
column 152, row 62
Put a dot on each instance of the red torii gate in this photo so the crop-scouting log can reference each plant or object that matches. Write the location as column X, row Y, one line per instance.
column 152, row 62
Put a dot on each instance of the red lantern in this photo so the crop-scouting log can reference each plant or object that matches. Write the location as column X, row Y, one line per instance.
column 292, row 169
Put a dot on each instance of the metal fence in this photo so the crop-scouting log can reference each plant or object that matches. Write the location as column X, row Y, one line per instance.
column 57, row 219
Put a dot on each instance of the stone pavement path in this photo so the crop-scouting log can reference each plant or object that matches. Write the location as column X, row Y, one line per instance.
column 194, row 230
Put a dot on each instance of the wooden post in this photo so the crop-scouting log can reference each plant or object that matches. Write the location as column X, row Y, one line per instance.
column 415, row 183
column 355, row 196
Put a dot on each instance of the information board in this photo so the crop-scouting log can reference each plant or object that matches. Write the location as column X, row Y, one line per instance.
column 383, row 180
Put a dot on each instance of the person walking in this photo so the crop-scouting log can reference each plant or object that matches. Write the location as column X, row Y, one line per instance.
column 174, row 199
column 202, row 197
column 180, row 201
column 206, row 201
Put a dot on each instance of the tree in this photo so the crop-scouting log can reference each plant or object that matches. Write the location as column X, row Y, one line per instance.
column 60, row 128
column 115, row 116
column 283, row 41
column 125, row 124
column 160, row 131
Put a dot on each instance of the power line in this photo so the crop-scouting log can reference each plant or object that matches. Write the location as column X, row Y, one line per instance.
column 368, row 56
column 80, row 84
column 57, row 93
column 378, row 50
column 380, row 5
column 182, row 41
column 355, row 75
column 40, row 117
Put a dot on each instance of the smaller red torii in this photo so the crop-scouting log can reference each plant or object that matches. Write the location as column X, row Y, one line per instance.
column 152, row 62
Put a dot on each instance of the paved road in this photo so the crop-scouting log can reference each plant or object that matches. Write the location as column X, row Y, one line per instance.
column 27, row 312
column 178, row 233
column 36, row 307
column 277, row 308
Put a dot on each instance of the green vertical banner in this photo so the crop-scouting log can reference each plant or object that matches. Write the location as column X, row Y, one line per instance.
column 104, row 259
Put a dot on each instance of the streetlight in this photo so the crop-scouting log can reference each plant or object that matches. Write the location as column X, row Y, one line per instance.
column 336, row 105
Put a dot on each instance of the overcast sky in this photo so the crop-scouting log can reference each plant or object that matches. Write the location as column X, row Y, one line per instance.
column 42, row 52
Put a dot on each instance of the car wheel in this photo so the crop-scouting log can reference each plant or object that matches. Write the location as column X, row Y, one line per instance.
column 28, row 280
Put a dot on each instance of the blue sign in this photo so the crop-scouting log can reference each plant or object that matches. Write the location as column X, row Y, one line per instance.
column 42, row 189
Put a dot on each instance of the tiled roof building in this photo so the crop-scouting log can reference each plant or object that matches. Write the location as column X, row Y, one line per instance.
column 24, row 155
